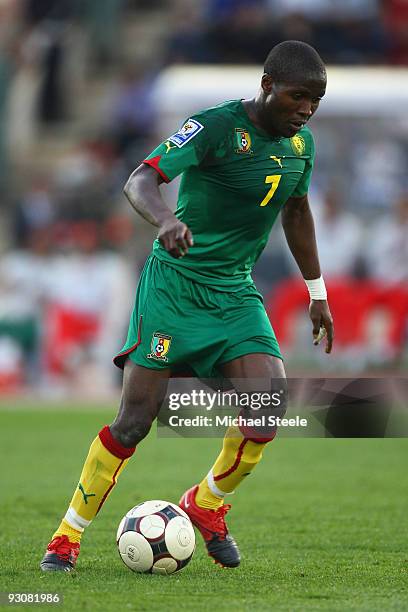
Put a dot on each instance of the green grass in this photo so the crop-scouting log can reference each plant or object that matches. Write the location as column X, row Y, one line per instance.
column 322, row 523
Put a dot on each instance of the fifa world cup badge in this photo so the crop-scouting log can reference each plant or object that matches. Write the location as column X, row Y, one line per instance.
column 243, row 140
column 160, row 346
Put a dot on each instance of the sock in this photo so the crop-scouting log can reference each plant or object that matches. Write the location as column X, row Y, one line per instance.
column 105, row 461
column 237, row 459
column 65, row 529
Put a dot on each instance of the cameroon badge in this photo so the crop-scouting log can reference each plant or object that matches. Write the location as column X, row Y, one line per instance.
column 243, row 140
column 160, row 346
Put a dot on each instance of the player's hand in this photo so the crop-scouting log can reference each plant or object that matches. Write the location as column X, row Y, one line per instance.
column 322, row 320
column 175, row 237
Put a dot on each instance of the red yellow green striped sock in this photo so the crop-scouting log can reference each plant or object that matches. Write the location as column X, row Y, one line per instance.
column 105, row 462
column 237, row 459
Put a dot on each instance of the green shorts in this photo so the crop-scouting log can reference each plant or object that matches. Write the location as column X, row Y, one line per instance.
column 189, row 327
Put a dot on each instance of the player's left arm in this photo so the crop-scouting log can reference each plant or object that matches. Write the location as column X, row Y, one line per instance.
column 298, row 225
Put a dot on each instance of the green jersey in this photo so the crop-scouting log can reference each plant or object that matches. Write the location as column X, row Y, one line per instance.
column 235, row 181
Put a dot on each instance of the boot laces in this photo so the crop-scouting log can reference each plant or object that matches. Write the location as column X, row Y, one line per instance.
column 63, row 547
column 218, row 520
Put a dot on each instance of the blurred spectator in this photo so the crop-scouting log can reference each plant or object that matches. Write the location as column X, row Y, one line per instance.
column 222, row 10
column 188, row 40
column 395, row 16
column 323, row 10
column 387, row 245
column 82, row 181
column 23, row 96
column 23, row 281
column 89, row 295
column 47, row 21
column 295, row 26
column 35, row 210
column 133, row 114
column 348, row 32
column 5, row 78
column 39, row 91
column 244, row 36
column 10, row 15
column 375, row 190
column 356, row 40
column 339, row 236
column 102, row 20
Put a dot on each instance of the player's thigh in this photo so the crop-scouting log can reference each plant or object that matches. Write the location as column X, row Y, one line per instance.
column 252, row 350
column 254, row 366
column 144, row 388
column 260, row 376
column 257, row 373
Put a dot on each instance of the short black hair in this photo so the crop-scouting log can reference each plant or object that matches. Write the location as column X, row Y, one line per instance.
column 293, row 60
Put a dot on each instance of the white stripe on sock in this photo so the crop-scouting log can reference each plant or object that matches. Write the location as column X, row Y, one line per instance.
column 75, row 520
column 213, row 487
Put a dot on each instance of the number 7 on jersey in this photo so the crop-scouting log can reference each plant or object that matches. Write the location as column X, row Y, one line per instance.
column 273, row 179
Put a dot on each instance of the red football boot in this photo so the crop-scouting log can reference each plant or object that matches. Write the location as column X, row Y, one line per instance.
column 61, row 555
column 221, row 546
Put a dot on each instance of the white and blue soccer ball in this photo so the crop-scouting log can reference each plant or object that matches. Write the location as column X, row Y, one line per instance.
column 156, row 537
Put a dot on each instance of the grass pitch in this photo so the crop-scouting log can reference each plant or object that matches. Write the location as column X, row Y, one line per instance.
column 322, row 524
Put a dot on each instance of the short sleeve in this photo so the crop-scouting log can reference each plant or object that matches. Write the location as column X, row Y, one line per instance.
column 187, row 147
column 303, row 185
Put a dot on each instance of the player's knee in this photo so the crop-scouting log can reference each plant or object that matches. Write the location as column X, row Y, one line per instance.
column 134, row 433
column 131, row 426
column 129, row 434
column 260, row 421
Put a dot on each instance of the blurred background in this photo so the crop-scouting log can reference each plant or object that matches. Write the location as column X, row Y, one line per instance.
column 89, row 87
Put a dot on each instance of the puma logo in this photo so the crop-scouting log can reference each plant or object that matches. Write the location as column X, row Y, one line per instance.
column 277, row 159
column 86, row 495
column 168, row 146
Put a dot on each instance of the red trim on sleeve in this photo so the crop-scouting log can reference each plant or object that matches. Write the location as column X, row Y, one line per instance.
column 154, row 163
column 113, row 446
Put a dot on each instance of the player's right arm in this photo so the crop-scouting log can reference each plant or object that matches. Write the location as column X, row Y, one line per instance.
column 143, row 192
column 186, row 148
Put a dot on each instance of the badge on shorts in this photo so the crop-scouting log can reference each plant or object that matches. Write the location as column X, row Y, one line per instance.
column 160, row 346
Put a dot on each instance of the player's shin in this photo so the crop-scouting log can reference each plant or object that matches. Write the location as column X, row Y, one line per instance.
column 105, row 461
column 238, row 457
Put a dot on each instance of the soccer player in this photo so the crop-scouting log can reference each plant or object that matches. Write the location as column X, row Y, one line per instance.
column 242, row 163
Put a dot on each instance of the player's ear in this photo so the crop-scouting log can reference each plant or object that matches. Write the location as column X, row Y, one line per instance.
column 266, row 82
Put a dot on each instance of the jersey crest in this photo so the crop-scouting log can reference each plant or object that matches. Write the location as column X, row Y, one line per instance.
column 243, row 141
column 189, row 130
column 298, row 145
column 160, row 346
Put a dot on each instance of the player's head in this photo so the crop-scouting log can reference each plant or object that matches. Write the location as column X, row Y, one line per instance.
column 293, row 83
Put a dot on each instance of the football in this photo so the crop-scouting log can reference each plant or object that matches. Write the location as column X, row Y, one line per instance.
column 156, row 537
